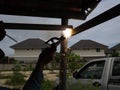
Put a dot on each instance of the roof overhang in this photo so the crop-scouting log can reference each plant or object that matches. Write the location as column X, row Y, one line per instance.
column 54, row 8
column 71, row 9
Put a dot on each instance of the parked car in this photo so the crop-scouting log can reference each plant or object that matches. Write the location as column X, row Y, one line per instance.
column 103, row 74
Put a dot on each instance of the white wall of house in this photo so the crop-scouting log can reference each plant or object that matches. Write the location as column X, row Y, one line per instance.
column 89, row 52
column 27, row 52
column 27, row 55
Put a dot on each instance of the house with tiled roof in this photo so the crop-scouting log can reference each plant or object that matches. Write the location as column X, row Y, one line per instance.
column 28, row 50
column 89, row 49
column 116, row 48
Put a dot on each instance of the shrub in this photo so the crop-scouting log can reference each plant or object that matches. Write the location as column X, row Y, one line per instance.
column 16, row 79
column 81, row 86
column 47, row 85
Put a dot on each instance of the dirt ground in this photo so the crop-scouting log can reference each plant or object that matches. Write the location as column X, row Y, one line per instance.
column 48, row 75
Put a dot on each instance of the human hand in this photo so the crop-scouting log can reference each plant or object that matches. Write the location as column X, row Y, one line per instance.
column 46, row 56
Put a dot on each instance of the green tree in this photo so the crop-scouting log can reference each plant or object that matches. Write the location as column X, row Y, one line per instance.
column 115, row 54
column 74, row 61
column 72, row 57
column 57, row 57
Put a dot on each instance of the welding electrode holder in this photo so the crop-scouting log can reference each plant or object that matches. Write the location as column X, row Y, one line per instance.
column 53, row 43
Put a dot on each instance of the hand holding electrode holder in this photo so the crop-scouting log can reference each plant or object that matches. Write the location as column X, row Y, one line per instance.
column 66, row 34
column 55, row 43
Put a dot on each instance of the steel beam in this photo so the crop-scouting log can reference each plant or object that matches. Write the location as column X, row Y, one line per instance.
column 109, row 14
column 24, row 26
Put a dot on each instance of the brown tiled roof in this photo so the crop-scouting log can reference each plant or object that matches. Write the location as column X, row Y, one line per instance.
column 35, row 43
column 88, row 44
column 116, row 46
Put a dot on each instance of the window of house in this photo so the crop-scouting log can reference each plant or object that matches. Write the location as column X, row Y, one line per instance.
column 97, row 49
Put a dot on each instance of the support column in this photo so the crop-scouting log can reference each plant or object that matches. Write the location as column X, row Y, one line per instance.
column 63, row 62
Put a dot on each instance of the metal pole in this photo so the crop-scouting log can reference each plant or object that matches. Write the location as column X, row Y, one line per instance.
column 63, row 63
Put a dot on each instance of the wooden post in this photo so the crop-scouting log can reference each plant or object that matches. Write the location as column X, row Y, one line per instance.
column 63, row 63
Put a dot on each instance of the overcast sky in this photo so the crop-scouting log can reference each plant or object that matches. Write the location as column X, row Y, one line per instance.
column 107, row 33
